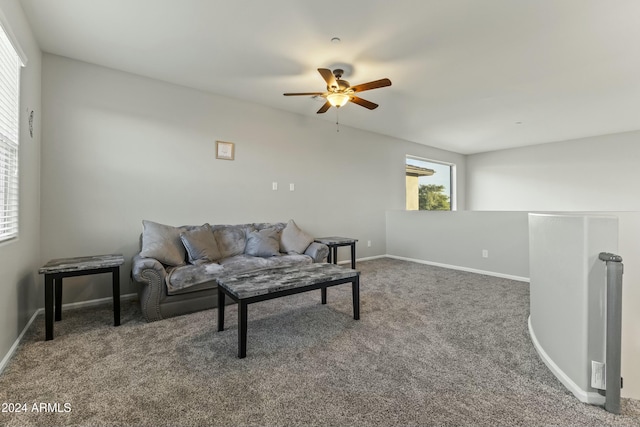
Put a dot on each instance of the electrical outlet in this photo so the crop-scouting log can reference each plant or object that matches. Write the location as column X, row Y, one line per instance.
column 274, row 186
column 485, row 253
column 368, row 243
column 598, row 375
column 292, row 187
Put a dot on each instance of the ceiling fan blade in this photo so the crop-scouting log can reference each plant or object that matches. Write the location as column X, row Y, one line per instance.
column 304, row 94
column 371, row 85
column 328, row 77
column 324, row 108
column 364, row 103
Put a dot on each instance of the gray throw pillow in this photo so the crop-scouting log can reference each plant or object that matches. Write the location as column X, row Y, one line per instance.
column 163, row 243
column 201, row 245
column 231, row 239
column 293, row 240
column 264, row 243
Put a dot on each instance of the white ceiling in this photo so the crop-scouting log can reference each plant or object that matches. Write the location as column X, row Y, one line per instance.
column 468, row 75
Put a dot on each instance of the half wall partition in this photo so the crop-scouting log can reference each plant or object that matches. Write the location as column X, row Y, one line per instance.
column 567, row 320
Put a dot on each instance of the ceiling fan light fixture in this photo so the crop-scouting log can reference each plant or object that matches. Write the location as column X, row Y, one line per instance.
column 338, row 99
column 339, row 91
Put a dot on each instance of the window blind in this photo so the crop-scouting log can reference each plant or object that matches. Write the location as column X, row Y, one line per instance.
column 9, row 129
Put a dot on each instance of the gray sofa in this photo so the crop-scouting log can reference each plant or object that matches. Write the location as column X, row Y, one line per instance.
column 177, row 267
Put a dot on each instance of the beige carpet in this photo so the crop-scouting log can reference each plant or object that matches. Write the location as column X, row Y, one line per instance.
column 433, row 347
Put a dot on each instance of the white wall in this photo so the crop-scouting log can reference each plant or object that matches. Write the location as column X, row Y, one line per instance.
column 19, row 258
column 119, row 148
column 600, row 174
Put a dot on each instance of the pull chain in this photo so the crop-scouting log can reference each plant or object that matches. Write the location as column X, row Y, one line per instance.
column 337, row 120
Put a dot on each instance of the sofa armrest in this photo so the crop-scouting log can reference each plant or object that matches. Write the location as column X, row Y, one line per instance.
column 150, row 275
column 317, row 251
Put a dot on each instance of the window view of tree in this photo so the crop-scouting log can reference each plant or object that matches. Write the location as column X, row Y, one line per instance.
column 431, row 197
column 428, row 185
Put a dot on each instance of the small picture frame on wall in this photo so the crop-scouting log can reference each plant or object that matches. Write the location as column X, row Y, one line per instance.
column 225, row 150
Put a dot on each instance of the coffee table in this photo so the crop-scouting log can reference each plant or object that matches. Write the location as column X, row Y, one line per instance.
column 266, row 284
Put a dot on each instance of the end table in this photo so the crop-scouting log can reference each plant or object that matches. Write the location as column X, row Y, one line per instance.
column 55, row 270
column 334, row 243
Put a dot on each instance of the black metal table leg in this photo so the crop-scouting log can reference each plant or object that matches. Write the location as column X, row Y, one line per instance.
column 116, row 295
column 353, row 256
column 220, row 310
column 242, row 329
column 355, row 289
column 57, row 284
column 335, row 254
column 323, row 292
column 48, row 306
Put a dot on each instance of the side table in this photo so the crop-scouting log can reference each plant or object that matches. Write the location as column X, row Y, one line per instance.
column 55, row 270
column 334, row 243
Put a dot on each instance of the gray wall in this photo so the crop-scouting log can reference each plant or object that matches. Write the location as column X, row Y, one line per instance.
column 568, row 286
column 119, row 148
column 19, row 258
column 598, row 174
column 457, row 239
column 589, row 174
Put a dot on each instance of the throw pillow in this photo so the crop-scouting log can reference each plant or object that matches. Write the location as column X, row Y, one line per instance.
column 201, row 245
column 231, row 239
column 293, row 240
column 263, row 243
column 163, row 243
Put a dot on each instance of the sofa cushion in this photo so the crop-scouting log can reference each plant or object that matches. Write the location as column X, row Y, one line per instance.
column 187, row 278
column 163, row 243
column 288, row 260
column 200, row 244
column 278, row 226
column 263, row 243
column 231, row 239
column 293, row 240
column 242, row 263
column 192, row 278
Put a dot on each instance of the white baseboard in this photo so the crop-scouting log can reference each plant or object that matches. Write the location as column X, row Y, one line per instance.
column 73, row 305
column 592, row 398
column 348, row 261
column 467, row 269
column 93, row 302
column 14, row 347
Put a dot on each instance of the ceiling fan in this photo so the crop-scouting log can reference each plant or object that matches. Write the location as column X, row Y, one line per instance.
column 339, row 91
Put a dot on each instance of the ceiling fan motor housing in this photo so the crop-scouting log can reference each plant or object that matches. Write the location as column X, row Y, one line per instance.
column 342, row 85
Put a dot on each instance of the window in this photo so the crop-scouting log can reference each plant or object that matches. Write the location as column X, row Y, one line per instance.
column 429, row 185
column 10, row 65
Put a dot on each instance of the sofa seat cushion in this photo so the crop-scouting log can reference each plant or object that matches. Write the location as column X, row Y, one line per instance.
column 192, row 278
column 241, row 263
column 186, row 278
column 288, row 260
